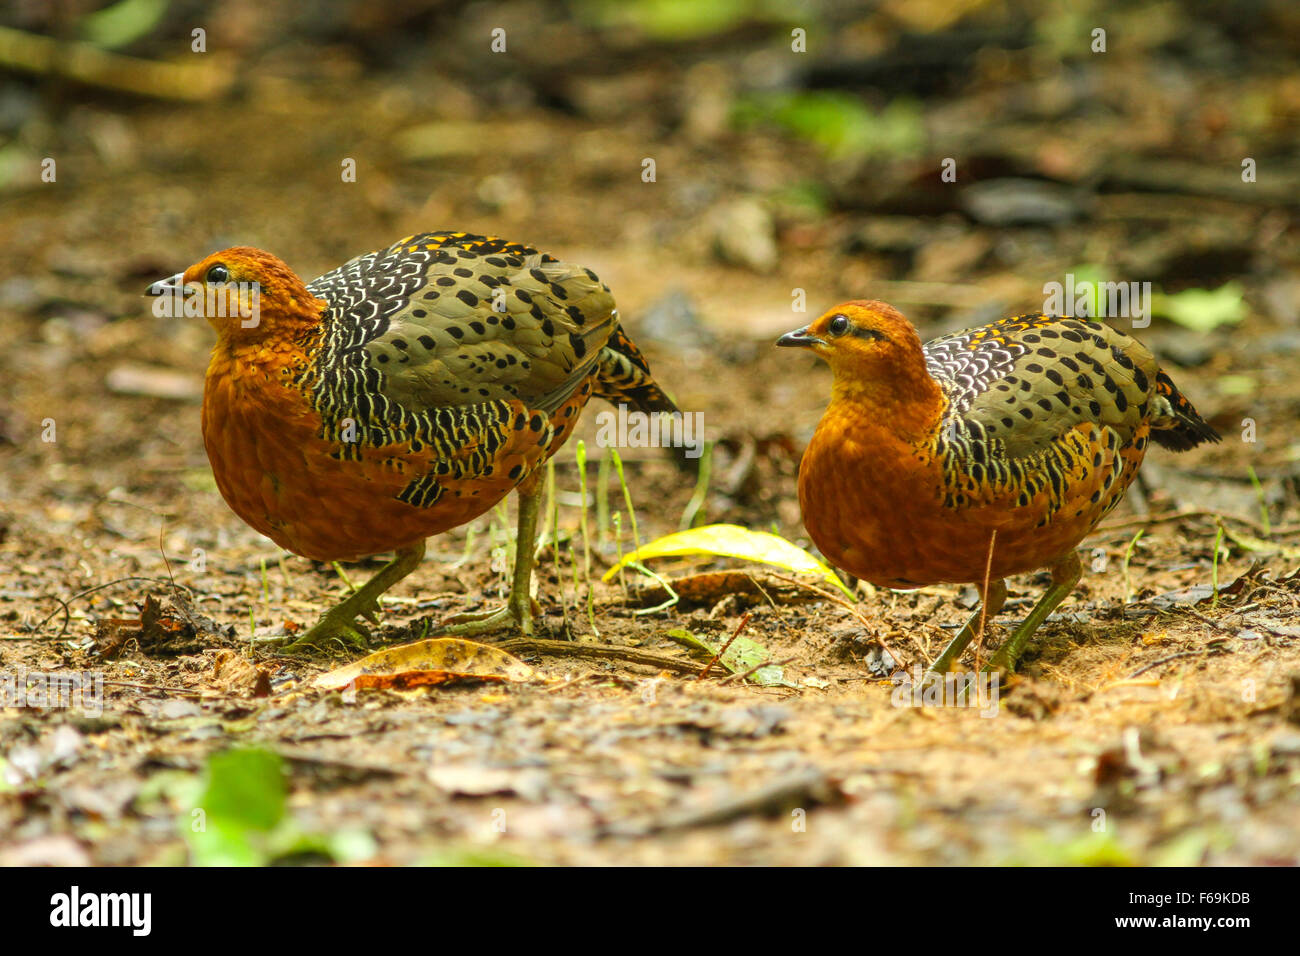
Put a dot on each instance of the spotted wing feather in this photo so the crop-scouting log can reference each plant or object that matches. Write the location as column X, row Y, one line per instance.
column 478, row 350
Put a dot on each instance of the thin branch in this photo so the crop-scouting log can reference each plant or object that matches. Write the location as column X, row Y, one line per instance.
column 735, row 634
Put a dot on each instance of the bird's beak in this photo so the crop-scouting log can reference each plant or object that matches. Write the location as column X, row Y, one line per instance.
column 166, row 286
column 799, row 339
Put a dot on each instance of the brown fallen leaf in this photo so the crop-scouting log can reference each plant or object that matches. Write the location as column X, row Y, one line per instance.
column 170, row 625
column 709, row 587
column 433, row 661
column 234, row 674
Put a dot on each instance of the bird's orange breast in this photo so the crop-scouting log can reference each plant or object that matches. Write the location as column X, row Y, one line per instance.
column 875, row 505
column 275, row 471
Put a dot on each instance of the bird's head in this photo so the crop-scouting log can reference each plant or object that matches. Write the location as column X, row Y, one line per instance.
column 874, row 353
column 859, row 338
column 244, row 293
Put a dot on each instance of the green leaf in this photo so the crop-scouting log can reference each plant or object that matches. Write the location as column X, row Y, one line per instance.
column 733, row 541
column 1087, row 282
column 698, row 646
column 840, row 124
column 745, row 654
column 1202, row 310
column 245, row 787
column 123, row 22
column 1092, row 849
column 742, row 655
column 225, row 843
column 673, row 19
column 474, row 856
column 241, row 804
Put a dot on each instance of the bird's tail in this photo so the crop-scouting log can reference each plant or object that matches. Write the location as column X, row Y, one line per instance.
column 623, row 377
column 1177, row 425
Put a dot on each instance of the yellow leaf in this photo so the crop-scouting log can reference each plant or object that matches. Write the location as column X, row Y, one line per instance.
column 427, row 662
column 733, row 541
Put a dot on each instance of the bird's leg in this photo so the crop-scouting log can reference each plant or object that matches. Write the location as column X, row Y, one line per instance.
column 518, row 611
column 1065, row 575
column 340, row 621
column 990, row 604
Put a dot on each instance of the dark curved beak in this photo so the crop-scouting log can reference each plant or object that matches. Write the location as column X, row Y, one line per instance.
column 799, row 339
column 165, row 286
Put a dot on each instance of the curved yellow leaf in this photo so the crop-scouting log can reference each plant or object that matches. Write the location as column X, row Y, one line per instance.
column 733, row 541
column 449, row 657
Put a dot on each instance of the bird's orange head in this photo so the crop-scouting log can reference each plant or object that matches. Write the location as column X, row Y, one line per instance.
column 876, row 357
column 245, row 294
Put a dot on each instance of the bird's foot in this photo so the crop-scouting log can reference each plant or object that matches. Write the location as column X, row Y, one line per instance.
column 515, row 615
column 1006, row 657
column 338, row 626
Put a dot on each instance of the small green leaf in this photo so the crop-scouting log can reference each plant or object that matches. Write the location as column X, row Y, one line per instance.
column 245, row 787
column 696, row 645
column 241, row 804
column 123, row 22
column 840, row 124
column 1092, row 849
column 1237, row 384
column 742, row 655
column 1202, row 310
column 745, row 654
column 474, row 856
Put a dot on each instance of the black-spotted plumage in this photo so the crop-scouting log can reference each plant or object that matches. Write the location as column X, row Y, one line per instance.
column 1030, row 400
column 450, row 319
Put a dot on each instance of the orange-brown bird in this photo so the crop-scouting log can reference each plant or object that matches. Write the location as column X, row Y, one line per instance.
column 1015, row 438
column 401, row 395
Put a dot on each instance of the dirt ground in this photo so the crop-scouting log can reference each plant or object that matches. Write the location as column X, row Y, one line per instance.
column 1156, row 720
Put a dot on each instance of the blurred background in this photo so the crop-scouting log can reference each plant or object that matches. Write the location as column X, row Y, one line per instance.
column 720, row 164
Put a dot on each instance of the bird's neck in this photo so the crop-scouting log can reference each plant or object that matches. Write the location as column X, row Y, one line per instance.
column 259, row 371
column 906, row 404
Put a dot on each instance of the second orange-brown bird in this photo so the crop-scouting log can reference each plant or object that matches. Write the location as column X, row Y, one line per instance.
column 985, row 453
column 401, row 395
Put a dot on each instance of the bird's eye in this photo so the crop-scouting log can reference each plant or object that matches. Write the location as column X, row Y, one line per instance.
column 839, row 325
column 218, row 274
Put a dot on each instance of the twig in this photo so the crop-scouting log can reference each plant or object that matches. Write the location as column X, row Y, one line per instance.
column 807, row 788
column 34, row 53
column 599, row 652
column 1176, row 516
column 67, row 616
column 1205, row 620
column 735, row 634
column 984, row 599
column 761, row 590
column 183, row 691
column 757, row 667
column 1166, row 660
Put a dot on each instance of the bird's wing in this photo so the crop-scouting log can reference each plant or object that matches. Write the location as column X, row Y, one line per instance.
column 448, row 319
column 1022, row 383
